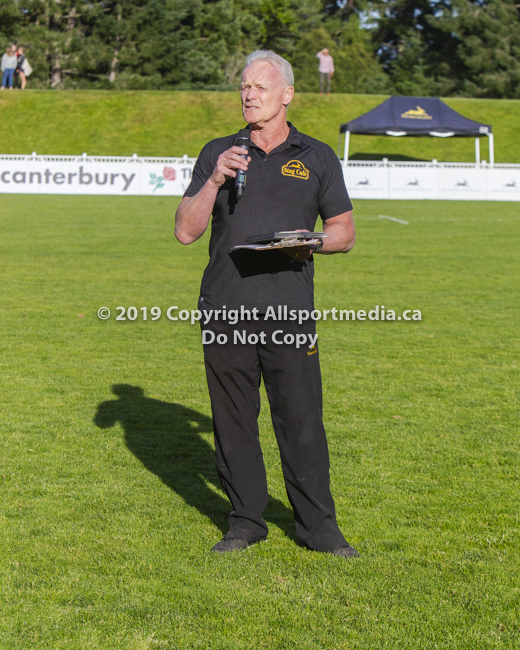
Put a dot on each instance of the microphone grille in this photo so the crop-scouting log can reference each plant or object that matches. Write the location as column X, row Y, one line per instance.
column 243, row 135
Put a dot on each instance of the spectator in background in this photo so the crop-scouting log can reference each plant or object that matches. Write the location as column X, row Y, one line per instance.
column 8, row 65
column 20, row 67
column 326, row 69
column 14, row 47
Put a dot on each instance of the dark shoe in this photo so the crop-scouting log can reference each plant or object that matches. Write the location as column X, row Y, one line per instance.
column 230, row 545
column 345, row 551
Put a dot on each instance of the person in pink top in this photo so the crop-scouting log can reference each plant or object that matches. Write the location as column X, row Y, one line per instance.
column 326, row 69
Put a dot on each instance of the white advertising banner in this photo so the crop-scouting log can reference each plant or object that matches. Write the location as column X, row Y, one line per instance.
column 367, row 182
column 413, row 183
column 463, row 184
column 135, row 176
column 68, row 178
column 165, row 179
column 90, row 175
column 450, row 181
column 504, row 184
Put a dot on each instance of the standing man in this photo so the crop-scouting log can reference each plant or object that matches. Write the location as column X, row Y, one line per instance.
column 291, row 178
column 326, row 69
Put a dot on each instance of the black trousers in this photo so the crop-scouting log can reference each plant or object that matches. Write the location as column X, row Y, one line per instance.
column 292, row 379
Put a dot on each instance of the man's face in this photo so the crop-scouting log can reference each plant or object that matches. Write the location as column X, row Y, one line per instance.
column 264, row 93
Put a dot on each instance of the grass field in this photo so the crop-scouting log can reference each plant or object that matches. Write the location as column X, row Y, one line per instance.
column 110, row 500
column 164, row 123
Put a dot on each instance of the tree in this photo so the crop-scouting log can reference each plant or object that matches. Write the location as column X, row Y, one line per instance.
column 415, row 52
column 487, row 53
column 9, row 22
column 344, row 8
column 468, row 47
column 356, row 68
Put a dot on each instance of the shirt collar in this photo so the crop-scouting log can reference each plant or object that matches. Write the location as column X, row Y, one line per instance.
column 293, row 139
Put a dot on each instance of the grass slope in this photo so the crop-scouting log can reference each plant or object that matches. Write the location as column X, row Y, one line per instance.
column 176, row 123
column 110, row 500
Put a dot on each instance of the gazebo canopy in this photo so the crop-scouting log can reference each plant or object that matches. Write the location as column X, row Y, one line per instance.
column 415, row 116
column 418, row 116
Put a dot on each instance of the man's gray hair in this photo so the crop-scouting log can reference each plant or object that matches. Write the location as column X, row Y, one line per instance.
column 282, row 66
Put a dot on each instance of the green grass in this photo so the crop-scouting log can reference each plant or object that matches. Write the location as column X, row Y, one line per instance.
column 175, row 123
column 110, row 500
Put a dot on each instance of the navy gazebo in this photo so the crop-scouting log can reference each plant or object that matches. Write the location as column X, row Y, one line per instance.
column 418, row 116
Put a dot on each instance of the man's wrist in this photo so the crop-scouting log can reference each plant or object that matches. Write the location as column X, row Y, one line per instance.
column 318, row 247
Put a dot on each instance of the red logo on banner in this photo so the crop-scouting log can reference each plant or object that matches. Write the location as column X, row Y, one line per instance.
column 169, row 173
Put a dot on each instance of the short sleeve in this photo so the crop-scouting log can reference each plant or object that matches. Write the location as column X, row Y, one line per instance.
column 201, row 172
column 333, row 197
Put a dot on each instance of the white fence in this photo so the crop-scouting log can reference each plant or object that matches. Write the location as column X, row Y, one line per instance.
column 432, row 180
column 136, row 175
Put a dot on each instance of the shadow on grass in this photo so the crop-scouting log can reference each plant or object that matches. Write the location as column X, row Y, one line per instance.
column 165, row 438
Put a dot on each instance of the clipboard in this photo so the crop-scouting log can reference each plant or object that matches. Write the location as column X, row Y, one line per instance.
column 282, row 239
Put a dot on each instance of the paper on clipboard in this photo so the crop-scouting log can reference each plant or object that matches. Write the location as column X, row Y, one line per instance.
column 276, row 245
column 277, row 240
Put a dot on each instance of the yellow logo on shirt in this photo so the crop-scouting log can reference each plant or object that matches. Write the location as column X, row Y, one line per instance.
column 296, row 169
column 313, row 350
column 419, row 114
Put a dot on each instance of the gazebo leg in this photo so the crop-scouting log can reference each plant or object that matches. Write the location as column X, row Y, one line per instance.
column 347, row 142
column 491, row 149
column 477, row 151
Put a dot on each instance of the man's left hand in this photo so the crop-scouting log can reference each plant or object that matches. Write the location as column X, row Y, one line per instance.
column 300, row 253
column 341, row 236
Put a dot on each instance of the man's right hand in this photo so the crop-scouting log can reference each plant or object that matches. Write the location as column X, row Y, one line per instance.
column 227, row 164
column 193, row 214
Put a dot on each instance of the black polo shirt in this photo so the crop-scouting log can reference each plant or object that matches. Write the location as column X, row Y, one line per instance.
column 286, row 189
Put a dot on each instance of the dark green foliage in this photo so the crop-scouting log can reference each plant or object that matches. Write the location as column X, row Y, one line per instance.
column 450, row 47
column 356, row 69
column 9, row 22
column 187, row 44
column 422, row 47
column 415, row 52
column 487, row 37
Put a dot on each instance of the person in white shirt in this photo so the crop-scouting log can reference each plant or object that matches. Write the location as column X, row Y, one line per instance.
column 8, row 66
column 326, row 69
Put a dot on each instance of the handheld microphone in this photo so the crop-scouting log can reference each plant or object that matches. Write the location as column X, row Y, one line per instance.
column 243, row 140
